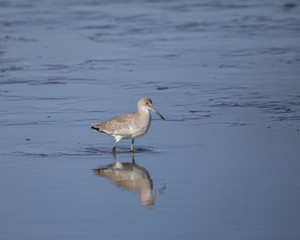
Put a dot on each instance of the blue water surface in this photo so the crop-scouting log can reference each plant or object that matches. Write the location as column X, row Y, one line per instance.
column 224, row 164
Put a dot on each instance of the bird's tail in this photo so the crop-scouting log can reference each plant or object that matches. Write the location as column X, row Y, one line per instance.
column 95, row 128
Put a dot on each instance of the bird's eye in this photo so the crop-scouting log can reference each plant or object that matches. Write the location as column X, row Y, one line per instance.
column 147, row 103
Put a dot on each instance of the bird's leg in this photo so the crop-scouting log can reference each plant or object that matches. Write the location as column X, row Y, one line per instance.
column 132, row 156
column 114, row 147
column 115, row 156
column 131, row 147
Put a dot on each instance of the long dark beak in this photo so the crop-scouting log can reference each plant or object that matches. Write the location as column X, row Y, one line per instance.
column 158, row 114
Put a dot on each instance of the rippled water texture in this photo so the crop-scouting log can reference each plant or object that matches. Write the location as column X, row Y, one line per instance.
column 224, row 164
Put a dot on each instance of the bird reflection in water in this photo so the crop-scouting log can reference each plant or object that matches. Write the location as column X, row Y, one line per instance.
column 130, row 176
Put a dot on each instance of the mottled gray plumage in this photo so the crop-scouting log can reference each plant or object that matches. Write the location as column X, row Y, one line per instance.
column 129, row 125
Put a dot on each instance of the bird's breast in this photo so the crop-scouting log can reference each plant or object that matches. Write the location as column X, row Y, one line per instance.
column 141, row 127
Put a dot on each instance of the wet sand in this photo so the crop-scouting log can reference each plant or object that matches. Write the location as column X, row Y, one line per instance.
column 224, row 164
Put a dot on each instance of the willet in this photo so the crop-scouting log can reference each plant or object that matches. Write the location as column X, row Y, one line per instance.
column 129, row 125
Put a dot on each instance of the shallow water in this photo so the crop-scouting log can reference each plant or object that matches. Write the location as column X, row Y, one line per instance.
column 224, row 164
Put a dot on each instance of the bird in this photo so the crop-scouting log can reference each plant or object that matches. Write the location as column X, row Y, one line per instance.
column 129, row 125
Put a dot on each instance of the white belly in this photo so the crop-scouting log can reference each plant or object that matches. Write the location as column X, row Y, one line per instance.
column 136, row 129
